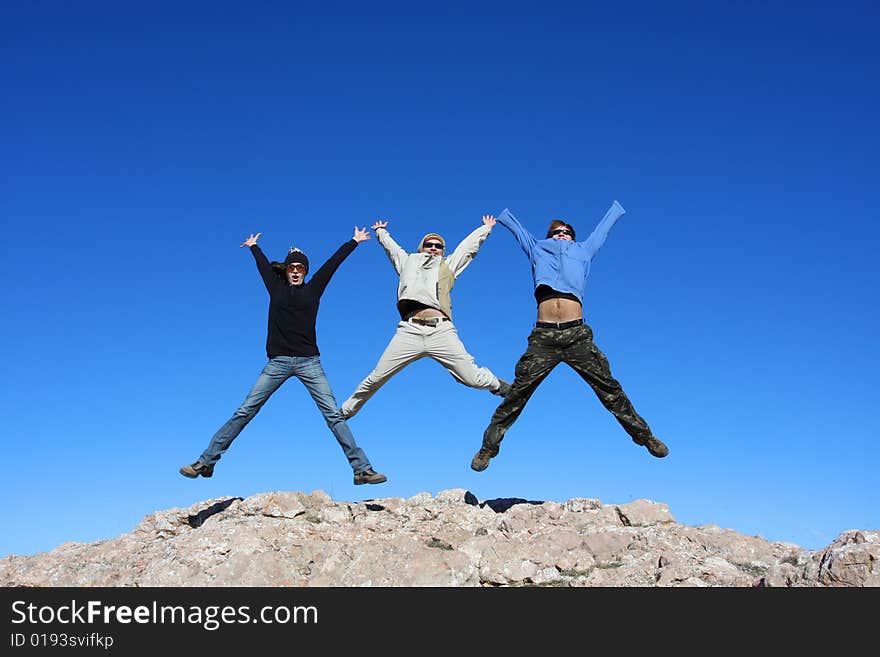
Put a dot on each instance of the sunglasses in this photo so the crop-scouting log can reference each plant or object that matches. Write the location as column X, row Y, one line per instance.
column 296, row 266
column 432, row 245
column 560, row 231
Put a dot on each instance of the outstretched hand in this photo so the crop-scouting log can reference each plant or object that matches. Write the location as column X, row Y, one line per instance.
column 251, row 241
column 379, row 224
column 361, row 234
column 488, row 220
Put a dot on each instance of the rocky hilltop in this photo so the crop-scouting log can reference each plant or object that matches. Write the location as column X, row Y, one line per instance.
column 448, row 540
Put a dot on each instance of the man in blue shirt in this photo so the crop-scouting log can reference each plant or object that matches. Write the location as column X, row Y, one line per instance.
column 560, row 267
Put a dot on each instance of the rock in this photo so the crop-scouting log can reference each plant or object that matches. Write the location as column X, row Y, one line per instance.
column 452, row 539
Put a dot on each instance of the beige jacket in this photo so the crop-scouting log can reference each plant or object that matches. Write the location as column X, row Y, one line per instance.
column 429, row 279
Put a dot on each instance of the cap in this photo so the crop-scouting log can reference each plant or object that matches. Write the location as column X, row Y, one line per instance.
column 295, row 255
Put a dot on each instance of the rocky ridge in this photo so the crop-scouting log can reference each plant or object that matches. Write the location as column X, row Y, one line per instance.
column 286, row 539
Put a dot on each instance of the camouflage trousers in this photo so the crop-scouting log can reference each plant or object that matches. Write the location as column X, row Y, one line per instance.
column 573, row 346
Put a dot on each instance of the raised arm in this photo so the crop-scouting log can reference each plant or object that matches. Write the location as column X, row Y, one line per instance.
column 263, row 266
column 321, row 277
column 525, row 238
column 597, row 238
column 395, row 252
column 466, row 251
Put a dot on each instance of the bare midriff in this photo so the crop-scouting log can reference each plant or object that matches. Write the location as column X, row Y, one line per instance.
column 424, row 313
column 559, row 310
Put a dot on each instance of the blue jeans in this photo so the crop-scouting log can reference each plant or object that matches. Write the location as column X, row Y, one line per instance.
column 307, row 369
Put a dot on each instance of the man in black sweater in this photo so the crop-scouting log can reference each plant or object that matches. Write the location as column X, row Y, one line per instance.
column 292, row 348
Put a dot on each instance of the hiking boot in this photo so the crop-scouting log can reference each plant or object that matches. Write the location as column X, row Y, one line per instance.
column 194, row 470
column 656, row 447
column 503, row 389
column 369, row 476
column 481, row 460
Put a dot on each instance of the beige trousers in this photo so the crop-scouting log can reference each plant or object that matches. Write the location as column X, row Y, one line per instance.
column 414, row 341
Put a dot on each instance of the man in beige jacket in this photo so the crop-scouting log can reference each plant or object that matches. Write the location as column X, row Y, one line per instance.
column 424, row 302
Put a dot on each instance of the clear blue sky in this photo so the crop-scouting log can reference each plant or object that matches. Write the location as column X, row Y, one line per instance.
column 736, row 299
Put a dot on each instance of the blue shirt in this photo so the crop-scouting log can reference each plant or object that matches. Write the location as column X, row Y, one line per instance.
column 564, row 265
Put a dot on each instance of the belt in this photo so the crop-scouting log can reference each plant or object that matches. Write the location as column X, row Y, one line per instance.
column 428, row 321
column 559, row 325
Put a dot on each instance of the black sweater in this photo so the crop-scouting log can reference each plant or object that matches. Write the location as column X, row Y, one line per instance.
column 293, row 309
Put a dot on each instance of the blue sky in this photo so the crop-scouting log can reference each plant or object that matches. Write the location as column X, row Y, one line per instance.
column 735, row 300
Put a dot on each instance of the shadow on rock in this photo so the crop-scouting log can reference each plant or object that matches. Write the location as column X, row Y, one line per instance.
column 198, row 519
column 498, row 505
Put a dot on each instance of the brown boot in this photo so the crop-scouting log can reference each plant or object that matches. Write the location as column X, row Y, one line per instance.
column 195, row 469
column 369, row 476
column 481, row 460
column 656, row 447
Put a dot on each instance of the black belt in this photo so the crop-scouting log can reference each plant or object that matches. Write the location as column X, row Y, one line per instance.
column 428, row 321
column 559, row 325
